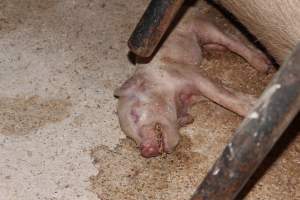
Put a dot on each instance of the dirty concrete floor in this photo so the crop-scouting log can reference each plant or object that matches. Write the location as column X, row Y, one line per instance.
column 59, row 136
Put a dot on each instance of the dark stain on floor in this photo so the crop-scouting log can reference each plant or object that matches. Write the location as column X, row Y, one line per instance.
column 15, row 12
column 20, row 116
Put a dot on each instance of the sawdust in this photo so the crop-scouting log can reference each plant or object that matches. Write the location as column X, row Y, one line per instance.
column 124, row 174
column 20, row 116
column 159, row 136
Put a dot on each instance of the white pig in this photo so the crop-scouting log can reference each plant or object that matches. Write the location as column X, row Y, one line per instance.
column 276, row 23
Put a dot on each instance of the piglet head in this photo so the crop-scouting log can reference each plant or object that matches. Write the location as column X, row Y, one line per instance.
column 148, row 117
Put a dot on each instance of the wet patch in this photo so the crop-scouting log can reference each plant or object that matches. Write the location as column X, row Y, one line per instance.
column 124, row 174
column 15, row 12
column 20, row 116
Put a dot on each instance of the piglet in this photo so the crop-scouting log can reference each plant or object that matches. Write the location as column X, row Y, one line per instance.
column 154, row 102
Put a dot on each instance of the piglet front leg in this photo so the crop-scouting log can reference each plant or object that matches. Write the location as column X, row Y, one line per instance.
column 235, row 101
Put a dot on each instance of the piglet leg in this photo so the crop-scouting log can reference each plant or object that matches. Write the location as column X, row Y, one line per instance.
column 211, row 37
column 237, row 102
column 195, row 84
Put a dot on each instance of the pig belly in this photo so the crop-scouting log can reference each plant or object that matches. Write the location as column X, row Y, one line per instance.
column 276, row 23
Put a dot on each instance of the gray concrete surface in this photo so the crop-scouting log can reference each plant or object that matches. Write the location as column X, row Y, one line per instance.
column 59, row 136
column 59, row 64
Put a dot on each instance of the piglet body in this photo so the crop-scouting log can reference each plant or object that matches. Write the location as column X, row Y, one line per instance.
column 153, row 103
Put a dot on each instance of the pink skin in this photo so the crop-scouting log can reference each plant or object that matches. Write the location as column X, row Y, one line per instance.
column 154, row 102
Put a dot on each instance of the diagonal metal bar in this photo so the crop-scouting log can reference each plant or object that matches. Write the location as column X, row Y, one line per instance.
column 257, row 134
column 152, row 26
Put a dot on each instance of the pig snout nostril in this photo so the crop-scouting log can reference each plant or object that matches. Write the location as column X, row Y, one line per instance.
column 148, row 151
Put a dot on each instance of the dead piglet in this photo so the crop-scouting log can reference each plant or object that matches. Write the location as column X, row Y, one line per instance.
column 154, row 102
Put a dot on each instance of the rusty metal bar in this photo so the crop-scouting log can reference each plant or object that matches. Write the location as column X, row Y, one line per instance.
column 257, row 134
column 152, row 26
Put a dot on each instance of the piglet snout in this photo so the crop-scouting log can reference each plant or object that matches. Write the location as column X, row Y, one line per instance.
column 154, row 144
column 150, row 150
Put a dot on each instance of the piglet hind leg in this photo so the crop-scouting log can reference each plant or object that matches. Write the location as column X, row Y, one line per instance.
column 211, row 37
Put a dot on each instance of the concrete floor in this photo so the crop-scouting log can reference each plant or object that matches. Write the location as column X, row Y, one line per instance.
column 59, row 136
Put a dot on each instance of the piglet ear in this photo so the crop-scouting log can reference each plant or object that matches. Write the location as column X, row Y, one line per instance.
column 131, row 86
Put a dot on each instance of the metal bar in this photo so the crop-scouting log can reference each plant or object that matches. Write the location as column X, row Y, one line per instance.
column 152, row 26
column 257, row 134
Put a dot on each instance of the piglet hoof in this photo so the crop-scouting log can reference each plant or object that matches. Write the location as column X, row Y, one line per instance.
column 263, row 63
